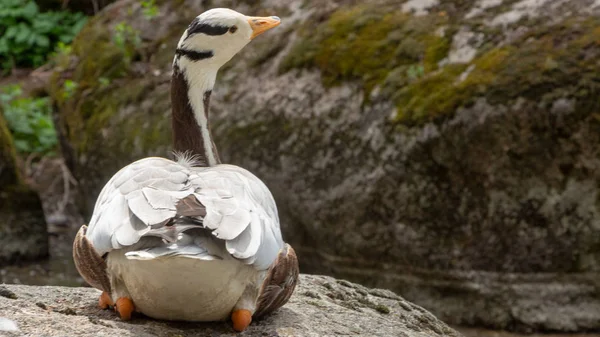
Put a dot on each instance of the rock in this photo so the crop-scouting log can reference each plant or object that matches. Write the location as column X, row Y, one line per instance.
column 453, row 154
column 320, row 306
column 8, row 325
column 23, row 234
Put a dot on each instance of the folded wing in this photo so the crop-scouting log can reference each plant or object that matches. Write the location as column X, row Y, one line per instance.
column 161, row 198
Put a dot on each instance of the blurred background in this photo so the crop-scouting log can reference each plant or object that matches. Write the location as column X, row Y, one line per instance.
column 448, row 150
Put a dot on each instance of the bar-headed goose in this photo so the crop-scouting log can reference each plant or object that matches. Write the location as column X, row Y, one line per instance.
column 192, row 239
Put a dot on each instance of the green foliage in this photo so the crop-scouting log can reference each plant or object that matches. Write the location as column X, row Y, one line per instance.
column 62, row 49
column 27, row 35
column 150, row 9
column 104, row 82
column 69, row 88
column 29, row 120
column 127, row 39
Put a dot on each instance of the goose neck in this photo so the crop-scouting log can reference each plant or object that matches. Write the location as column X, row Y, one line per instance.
column 190, row 97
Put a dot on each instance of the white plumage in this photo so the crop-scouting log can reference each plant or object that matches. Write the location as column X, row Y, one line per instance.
column 141, row 201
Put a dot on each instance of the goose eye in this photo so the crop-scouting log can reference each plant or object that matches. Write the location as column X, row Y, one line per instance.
column 233, row 29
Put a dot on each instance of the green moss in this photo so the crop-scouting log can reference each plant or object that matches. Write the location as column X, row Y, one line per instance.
column 547, row 63
column 375, row 306
column 429, row 96
column 318, row 304
column 99, row 55
column 92, row 46
column 311, row 294
column 442, row 92
column 9, row 174
column 401, row 53
column 382, row 309
column 437, row 49
column 368, row 43
column 101, row 85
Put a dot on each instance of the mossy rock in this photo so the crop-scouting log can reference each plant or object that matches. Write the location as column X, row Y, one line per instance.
column 23, row 233
column 100, row 93
column 380, row 46
column 9, row 174
column 370, row 43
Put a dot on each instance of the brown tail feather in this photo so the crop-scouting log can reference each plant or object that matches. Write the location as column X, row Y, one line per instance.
column 191, row 207
column 90, row 265
column 280, row 282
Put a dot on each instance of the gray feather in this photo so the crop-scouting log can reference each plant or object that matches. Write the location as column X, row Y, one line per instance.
column 201, row 212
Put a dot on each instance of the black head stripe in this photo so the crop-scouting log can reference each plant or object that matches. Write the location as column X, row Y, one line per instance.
column 194, row 55
column 197, row 27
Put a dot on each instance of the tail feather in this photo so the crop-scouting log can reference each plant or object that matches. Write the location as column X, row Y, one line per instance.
column 190, row 207
column 280, row 282
column 89, row 264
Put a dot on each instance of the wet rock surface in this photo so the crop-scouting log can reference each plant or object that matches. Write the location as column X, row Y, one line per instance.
column 320, row 306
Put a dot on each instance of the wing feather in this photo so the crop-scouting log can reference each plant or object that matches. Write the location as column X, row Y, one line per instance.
column 139, row 205
column 247, row 243
column 159, row 197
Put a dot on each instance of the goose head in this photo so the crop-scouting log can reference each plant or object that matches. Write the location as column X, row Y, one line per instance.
column 210, row 41
column 215, row 36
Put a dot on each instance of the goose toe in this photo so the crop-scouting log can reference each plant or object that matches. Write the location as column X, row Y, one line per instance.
column 105, row 301
column 125, row 308
column 241, row 319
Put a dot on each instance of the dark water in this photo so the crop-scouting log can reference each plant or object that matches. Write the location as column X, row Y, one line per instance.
column 473, row 332
column 59, row 270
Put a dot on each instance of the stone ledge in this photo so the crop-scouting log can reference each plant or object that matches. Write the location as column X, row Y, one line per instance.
column 524, row 302
column 321, row 306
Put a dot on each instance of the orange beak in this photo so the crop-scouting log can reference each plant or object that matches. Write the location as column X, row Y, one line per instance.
column 260, row 25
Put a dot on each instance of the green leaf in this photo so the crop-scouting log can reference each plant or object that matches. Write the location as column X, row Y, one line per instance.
column 22, row 34
column 22, row 145
column 43, row 41
column 29, row 120
column 28, row 37
column 11, row 32
column 30, row 10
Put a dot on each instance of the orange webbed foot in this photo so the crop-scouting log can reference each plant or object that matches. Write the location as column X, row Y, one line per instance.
column 125, row 308
column 105, row 301
column 241, row 319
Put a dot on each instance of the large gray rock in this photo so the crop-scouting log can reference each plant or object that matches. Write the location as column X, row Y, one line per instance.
column 320, row 306
column 453, row 152
column 23, row 233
